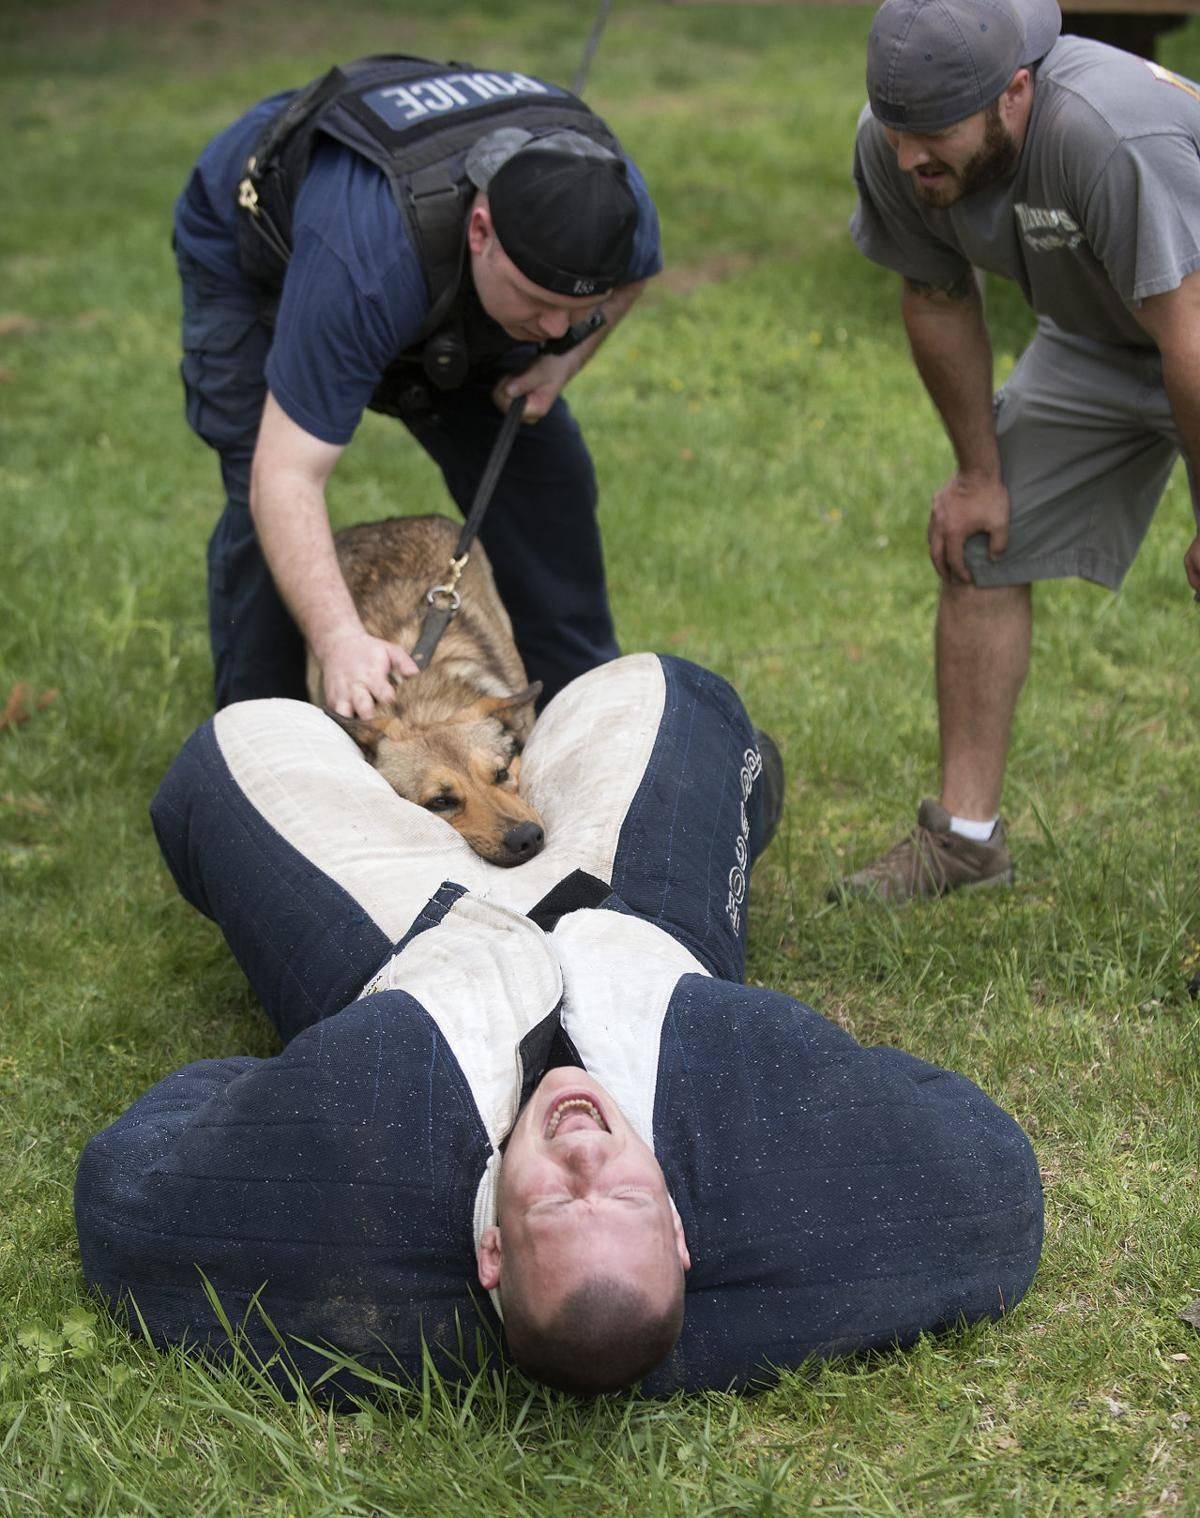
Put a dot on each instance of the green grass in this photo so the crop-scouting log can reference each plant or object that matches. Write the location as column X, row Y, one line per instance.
column 766, row 458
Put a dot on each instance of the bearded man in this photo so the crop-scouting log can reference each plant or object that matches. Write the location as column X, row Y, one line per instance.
column 991, row 143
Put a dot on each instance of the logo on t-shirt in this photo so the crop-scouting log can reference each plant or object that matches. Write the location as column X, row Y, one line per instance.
column 1044, row 230
column 1165, row 76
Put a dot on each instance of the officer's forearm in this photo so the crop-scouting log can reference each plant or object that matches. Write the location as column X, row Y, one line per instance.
column 287, row 502
column 292, row 523
column 615, row 308
column 953, row 354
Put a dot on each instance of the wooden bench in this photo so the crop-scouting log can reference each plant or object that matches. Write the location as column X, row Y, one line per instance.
column 1134, row 25
column 1127, row 23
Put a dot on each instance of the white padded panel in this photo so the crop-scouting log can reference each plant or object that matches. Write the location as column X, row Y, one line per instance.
column 487, row 976
column 309, row 781
column 618, row 976
column 582, row 768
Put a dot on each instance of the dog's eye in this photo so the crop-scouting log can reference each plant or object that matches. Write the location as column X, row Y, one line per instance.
column 441, row 804
column 501, row 776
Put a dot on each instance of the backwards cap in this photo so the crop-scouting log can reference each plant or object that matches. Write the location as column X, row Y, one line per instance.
column 561, row 206
column 931, row 63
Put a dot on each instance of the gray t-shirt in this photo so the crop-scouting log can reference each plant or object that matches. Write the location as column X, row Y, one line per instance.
column 1101, row 210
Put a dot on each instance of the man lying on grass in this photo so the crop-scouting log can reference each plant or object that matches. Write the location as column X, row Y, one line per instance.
column 525, row 1102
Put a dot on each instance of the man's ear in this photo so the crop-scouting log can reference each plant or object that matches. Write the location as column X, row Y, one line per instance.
column 479, row 225
column 681, row 1248
column 1014, row 91
column 364, row 732
column 487, row 1258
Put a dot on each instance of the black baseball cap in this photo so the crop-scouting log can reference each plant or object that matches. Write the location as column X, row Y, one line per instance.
column 931, row 63
column 561, row 205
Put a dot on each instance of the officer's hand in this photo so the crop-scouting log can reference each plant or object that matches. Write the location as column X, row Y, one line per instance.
column 540, row 384
column 357, row 670
column 1191, row 563
column 966, row 504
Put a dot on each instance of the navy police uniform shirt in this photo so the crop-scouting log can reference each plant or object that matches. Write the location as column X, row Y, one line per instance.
column 354, row 296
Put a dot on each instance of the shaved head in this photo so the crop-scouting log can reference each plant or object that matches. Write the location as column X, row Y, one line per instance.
column 588, row 1253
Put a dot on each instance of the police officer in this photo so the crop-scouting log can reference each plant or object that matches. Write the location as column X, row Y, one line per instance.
column 430, row 241
column 1074, row 170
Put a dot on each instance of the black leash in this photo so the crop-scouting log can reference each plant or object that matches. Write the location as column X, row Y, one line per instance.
column 589, row 50
column 443, row 601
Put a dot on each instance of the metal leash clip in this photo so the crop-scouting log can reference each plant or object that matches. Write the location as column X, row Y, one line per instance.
column 443, row 598
column 451, row 599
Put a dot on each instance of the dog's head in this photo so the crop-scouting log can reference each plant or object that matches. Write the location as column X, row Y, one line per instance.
column 460, row 762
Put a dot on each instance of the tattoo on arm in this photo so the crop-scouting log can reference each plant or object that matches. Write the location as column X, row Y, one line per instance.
column 961, row 288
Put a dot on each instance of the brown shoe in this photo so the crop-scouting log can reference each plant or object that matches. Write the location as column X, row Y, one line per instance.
column 930, row 861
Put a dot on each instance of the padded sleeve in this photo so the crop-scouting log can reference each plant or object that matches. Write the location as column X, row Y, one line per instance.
column 647, row 776
column 836, row 1199
column 310, row 1184
column 274, row 825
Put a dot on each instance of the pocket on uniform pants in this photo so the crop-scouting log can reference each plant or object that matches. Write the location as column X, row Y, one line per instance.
column 224, row 358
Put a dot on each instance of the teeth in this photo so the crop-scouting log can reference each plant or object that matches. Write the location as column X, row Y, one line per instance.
column 574, row 1104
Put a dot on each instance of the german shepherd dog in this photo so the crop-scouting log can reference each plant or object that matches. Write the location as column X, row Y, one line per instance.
column 450, row 739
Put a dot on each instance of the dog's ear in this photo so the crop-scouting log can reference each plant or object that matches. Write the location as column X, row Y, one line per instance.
column 492, row 706
column 364, row 732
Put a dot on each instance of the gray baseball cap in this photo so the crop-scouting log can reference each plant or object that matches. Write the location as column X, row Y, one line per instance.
column 492, row 152
column 931, row 63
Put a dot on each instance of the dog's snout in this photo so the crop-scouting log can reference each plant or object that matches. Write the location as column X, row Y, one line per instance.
column 524, row 841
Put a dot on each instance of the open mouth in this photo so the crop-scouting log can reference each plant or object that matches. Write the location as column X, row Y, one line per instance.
column 571, row 1113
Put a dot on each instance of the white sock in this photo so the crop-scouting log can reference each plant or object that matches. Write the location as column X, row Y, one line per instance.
column 978, row 832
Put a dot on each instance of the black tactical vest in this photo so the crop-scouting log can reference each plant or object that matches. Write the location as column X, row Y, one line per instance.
column 415, row 120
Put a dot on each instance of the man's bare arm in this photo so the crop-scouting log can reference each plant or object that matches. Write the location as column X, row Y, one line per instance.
column 1173, row 321
column 548, row 375
column 287, row 502
column 953, row 354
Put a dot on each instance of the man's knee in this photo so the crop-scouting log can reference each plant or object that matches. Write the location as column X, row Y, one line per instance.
column 969, row 599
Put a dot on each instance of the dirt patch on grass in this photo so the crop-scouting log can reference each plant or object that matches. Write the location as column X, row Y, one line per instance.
column 685, row 279
column 17, row 324
column 207, row 36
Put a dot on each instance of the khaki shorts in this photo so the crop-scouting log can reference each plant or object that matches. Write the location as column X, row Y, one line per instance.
column 1087, row 443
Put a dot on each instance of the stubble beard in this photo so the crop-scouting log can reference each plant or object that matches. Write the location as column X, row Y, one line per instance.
column 995, row 157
